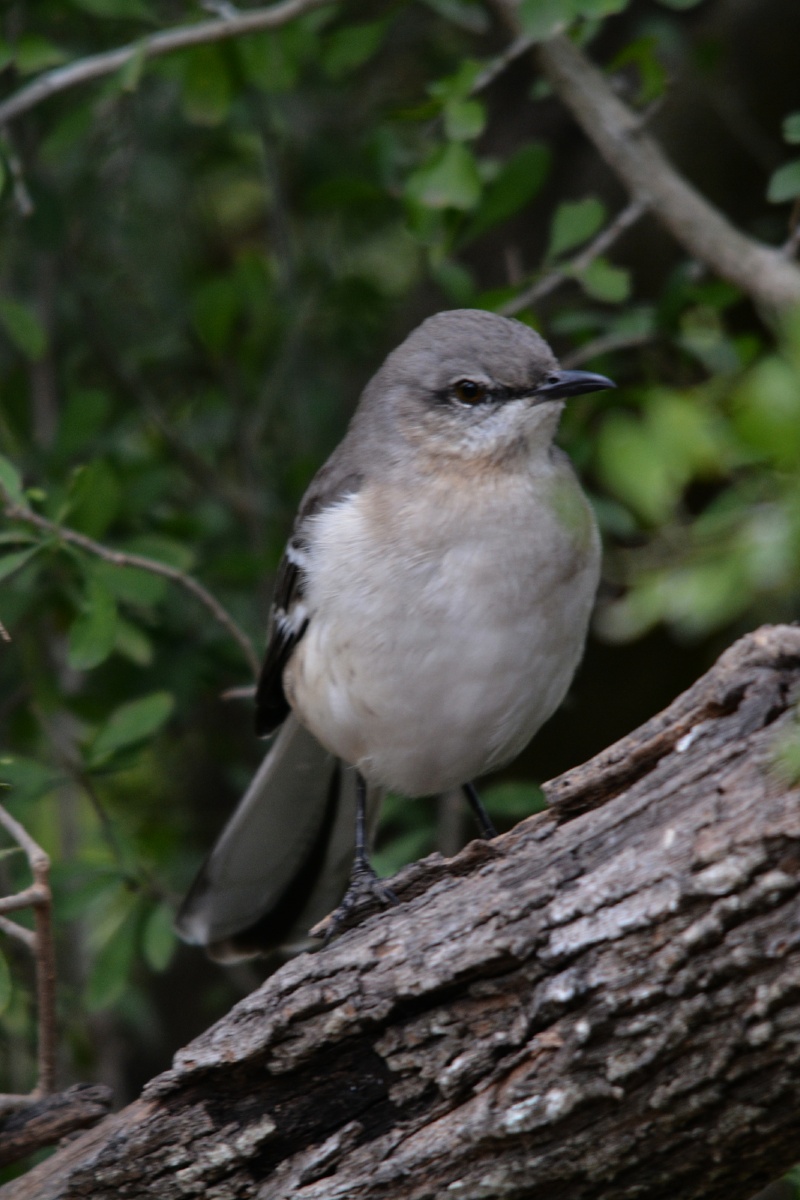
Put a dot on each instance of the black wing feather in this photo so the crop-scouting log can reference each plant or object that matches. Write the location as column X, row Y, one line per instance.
column 272, row 707
column 287, row 625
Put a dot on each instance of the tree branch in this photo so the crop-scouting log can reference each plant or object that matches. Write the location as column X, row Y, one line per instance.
column 18, row 512
column 599, row 245
column 760, row 271
column 39, row 898
column 95, row 66
column 604, row 1001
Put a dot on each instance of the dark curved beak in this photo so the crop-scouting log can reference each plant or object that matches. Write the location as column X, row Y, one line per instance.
column 560, row 384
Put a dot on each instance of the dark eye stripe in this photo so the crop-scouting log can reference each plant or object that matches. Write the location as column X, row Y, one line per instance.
column 498, row 394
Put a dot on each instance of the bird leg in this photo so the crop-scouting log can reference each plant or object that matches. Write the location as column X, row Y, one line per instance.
column 364, row 884
column 483, row 819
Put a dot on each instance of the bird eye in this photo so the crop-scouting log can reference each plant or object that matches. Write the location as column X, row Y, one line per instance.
column 469, row 392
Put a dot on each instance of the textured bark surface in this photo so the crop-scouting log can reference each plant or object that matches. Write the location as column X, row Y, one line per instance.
column 46, row 1121
column 604, row 1002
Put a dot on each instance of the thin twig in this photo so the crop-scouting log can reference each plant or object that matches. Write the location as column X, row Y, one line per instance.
column 604, row 345
column 94, row 66
column 604, row 240
column 5, row 636
column 760, row 271
column 792, row 243
column 22, row 197
column 119, row 558
column 26, row 936
column 496, row 66
column 39, row 897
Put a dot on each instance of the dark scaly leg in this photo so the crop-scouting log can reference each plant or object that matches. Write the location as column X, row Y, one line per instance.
column 479, row 812
column 364, row 883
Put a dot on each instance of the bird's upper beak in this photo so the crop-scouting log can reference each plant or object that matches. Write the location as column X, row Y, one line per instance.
column 560, row 384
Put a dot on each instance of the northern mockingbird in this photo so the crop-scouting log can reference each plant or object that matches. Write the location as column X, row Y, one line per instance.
column 429, row 613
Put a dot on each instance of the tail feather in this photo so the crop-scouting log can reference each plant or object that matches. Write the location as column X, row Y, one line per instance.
column 283, row 860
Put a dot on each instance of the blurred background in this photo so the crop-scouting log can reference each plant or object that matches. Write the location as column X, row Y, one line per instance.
column 203, row 258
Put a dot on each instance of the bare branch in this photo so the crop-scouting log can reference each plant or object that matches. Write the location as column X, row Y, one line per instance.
column 39, row 897
column 792, row 243
column 119, row 558
column 26, row 936
column 95, row 66
column 496, row 66
column 42, row 1122
column 760, row 271
column 604, row 241
column 604, row 345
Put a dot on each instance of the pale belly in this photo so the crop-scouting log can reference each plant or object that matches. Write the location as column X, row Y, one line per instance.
column 437, row 659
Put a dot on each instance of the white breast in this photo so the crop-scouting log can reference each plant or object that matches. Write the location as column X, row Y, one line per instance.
column 446, row 622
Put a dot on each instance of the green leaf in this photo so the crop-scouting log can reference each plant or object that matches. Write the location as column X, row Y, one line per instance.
column 34, row 54
column 541, row 19
column 634, row 468
column 85, row 413
column 93, row 634
column 449, row 180
column 784, row 183
column 512, row 188
column 643, row 53
column 6, row 986
column 112, row 967
column 131, row 723
column 514, row 801
column 464, row 119
column 29, row 779
column 215, row 307
column 10, row 563
column 791, row 128
column 766, row 412
column 11, row 482
column 120, row 9
column 574, row 223
column 596, row 9
column 344, row 50
column 207, row 87
column 158, row 938
column 163, row 549
column 23, row 328
column 603, row 281
column 94, row 498
column 132, row 585
column 133, row 644
column 459, row 85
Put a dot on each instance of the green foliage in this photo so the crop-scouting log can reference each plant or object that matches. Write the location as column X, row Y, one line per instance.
column 22, row 327
column 784, row 184
column 574, row 223
column 6, row 984
column 739, row 551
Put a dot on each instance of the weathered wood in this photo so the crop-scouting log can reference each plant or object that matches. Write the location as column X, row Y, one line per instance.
column 604, row 1002
column 46, row 1121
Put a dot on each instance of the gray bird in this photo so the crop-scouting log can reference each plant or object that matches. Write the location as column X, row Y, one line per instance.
column 430, row 611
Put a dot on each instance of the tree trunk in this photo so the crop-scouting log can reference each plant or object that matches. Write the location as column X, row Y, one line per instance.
column 604, row 1002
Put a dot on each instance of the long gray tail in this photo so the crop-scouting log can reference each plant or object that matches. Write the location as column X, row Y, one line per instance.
column 283, row 860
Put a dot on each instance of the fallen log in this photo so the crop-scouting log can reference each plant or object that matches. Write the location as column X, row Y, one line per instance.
column 604, row 1002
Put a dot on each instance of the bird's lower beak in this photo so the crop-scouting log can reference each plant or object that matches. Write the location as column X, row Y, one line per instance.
column 560, row 384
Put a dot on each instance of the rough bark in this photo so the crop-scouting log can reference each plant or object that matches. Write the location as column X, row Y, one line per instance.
column 46, row 1121
column 604, row 1002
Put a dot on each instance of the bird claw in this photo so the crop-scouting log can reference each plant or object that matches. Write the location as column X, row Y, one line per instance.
column 364, row 889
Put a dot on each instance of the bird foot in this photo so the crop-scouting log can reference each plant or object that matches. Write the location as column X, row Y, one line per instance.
column 364, row 892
